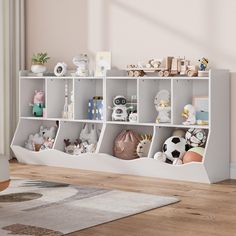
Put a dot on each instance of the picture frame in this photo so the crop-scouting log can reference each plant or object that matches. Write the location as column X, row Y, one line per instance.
column 103, row 63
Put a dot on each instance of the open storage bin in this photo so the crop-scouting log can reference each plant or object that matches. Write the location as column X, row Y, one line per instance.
column 26, row 127
column 72, row 130
column 112, row 130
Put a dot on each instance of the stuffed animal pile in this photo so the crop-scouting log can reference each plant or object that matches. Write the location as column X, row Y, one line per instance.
column 42, row 140
column 182, row 148
column 86, row 143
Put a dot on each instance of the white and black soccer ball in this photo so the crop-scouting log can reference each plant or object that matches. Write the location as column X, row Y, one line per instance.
column 196, row 137
column 174, row 147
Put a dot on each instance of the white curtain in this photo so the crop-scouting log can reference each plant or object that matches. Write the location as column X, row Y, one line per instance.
column 11, row 61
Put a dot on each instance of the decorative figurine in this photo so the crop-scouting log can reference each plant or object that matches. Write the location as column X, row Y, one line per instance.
column 38, row 103
column 203, row 67
column 65, row 112
column 82, row 63
column 162, row 105
column 119, row 110
column 133, row 117
column 189, row 114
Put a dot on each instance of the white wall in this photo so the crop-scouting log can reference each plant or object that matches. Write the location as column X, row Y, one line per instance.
column 136, row 30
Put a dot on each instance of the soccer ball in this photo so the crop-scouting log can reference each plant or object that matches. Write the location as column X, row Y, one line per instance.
column 174, row 147
column 196, row 137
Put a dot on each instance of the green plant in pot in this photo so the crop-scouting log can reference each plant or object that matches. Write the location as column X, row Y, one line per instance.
column 38, row 62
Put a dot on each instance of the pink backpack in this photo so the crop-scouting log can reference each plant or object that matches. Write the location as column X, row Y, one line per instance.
column 125, row 145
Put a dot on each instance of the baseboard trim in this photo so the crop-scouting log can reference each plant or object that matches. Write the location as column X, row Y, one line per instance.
column 233, row 171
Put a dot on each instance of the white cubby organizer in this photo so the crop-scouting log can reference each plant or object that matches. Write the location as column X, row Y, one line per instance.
column 215, row 164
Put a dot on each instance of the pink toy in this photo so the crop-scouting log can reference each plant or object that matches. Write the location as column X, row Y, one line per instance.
column 38, row 97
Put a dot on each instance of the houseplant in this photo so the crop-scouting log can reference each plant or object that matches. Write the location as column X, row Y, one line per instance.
column 38, row 61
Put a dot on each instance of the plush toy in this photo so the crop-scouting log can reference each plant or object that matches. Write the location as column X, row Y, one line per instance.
column 47, row 133
column 34, row 142
column 119, row 109
column 69, row 147
column 173, row 148
column 189, row 114
column 44, row 139
column 194, row 154
column 144, row 145
column 162, row 105
column 38, row 103
column 160, row 156
column 89, row 136
column 196, row 137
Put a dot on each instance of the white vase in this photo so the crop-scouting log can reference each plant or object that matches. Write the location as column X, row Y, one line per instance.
column 38, row 69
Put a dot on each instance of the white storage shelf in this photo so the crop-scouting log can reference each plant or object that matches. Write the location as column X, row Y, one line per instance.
column 213, row 168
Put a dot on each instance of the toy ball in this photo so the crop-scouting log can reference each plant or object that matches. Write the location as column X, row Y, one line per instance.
column 194, row 154
column 196, row 137
column 179, row 132
column 174, row 147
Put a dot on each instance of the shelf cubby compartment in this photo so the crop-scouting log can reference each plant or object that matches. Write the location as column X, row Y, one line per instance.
column 184, row 90
column 56, row 96
column 119, row 86
column 71, row 130
column 148, row 89
column 112, row 130
column 27, row 91
column 161, row 134
column 85, row 89
column 29, row 126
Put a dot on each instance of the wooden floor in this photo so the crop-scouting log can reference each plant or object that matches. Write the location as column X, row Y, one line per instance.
column 204, row 209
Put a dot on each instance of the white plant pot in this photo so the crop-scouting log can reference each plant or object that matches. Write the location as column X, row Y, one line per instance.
column 38, row 69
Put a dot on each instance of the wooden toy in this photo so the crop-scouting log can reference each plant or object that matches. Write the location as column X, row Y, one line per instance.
column 168, row 66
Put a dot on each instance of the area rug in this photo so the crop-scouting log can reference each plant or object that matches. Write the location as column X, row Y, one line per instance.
column 43, row 208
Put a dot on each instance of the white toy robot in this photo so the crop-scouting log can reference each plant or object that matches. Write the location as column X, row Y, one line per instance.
column 162, row 105
column 119, row 110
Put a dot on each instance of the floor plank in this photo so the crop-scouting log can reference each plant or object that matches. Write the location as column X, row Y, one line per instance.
column 204, row 209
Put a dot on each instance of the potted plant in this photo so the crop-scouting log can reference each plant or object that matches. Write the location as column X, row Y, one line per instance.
column 38, row 61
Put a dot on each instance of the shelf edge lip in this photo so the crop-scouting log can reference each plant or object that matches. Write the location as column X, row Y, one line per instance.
column 119, row 122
